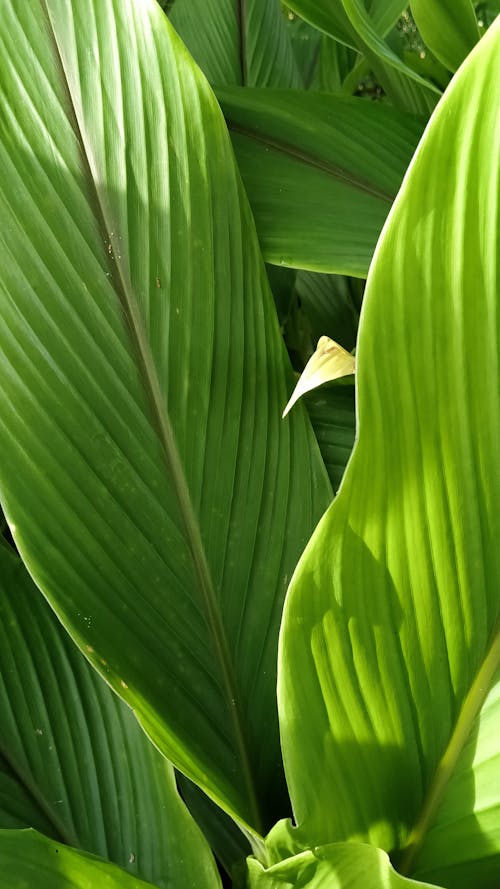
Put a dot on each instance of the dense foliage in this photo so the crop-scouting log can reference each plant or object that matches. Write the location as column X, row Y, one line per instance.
column 237, row 649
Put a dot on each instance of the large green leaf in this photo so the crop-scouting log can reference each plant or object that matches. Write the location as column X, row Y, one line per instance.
column 28, row 859
column 151, row 487
column 336, row 866
column 449, row 28
column 321, row 172
column 242, row 43
column 390, row 641
column 74, row 762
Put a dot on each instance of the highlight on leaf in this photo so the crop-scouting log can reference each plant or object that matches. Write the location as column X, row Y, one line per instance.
column 329, row 362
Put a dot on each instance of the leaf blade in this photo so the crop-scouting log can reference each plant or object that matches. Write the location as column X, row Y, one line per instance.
column 143, row 544
column 408, row 539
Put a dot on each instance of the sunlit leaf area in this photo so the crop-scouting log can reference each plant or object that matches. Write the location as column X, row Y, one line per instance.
column 249, row 436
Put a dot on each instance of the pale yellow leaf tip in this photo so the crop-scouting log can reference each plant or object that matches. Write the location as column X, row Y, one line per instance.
column 329, row 362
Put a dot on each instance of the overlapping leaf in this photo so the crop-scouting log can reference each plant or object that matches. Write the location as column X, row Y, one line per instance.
column 337, row 866
column 152, row 489
column 448, row 27
column 332, row 17
column 390, row 640
column 28, row 859
column 74, row 762
column 321, row 172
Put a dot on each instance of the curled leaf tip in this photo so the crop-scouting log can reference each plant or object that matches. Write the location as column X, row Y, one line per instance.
column 329, row 362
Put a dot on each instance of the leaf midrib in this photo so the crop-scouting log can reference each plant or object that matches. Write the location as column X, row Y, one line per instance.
column 242, row 43
column 304, row 157
column 470, row 710
column 152, row 388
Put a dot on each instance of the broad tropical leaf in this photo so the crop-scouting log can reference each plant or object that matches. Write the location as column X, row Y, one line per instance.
column 449, row 28
column 321, row 173
column 151, row 487
column 74, row 762
column 337, row 866
column 244, row 43
column 28, row 859
column 390, row 640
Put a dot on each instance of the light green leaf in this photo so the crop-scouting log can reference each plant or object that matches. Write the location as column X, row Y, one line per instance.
column 337, row 866
column 244, row 43
column 321, row 173
column 390, row 638
column 363, row 29
column 28, row 860
column 329, row 362
column 449, row 28
column 461, row 847
column 74, row 761
column 143, row 378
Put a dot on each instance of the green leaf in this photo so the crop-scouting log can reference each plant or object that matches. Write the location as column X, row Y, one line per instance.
column 332, row 17
column 28, row 859
column 449, row 28
column 390, row 640
column 243, row 43
column 227, row 841
column 331, row 303
column 337, row 866
column 461, row 847
column 321, row 173
column 332, row 412
column 144, row 377
column 74, row 761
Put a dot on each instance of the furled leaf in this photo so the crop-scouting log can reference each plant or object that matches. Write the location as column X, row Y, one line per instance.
column 321, row 172
column 338, row 866
column 151, row 487
column 449, row 28
column 242, row 43
column 390, row 642
column 28, row 859
column 329, row 362
column 74, row 762
column 460, row 849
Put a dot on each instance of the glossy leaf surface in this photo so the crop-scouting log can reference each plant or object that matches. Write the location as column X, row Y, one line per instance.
column 393, row 613
column 28, row 859
column 321, row 173
column 152, row 489
column 339, row 866
column 329, row 362
column 75, row 764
